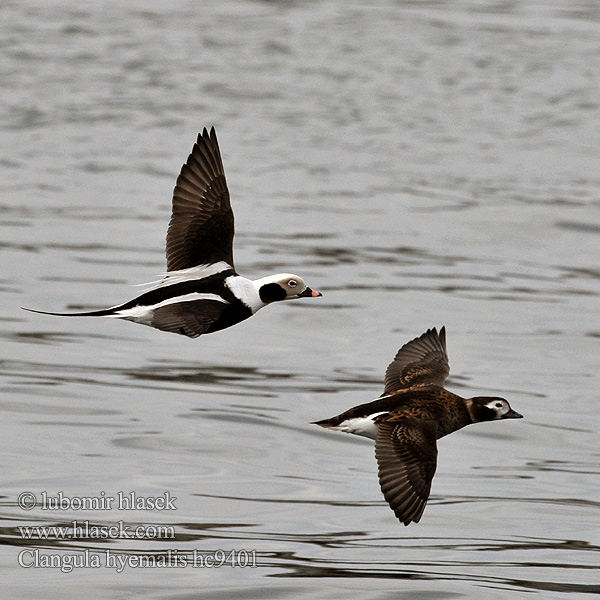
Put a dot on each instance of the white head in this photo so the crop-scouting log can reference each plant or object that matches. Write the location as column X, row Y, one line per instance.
column 283, row 286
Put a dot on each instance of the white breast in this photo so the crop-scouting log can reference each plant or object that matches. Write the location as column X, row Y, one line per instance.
column 246, row 290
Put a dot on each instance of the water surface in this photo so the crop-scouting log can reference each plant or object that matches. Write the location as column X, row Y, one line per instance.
column 421, row 164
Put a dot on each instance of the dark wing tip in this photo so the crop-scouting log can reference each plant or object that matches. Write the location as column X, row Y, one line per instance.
column 208, row 136
column 442, row 336
column 422, row 361
column 406, row 457
column 201, row 228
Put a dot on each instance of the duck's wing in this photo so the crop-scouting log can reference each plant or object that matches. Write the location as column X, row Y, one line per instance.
column 191, row 318
column 406, row 453
column 422, row 361
column 202, row 226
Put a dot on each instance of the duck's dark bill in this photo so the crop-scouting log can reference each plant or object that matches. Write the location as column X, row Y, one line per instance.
column 308, row 293
column 513, row 414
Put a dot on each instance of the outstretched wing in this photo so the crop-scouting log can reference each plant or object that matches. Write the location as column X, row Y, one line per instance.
column 406, row 453
column 201, row 227
column 191, row 318
column 422, row 361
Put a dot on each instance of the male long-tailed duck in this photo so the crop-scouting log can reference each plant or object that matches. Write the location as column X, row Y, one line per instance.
column 413, row 412
column 201, row 291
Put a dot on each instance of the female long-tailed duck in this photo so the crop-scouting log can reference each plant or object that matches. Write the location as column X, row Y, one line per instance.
column 414, row 411
column 201, row 291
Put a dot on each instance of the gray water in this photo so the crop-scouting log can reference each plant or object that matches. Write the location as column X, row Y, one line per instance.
column 421, row 164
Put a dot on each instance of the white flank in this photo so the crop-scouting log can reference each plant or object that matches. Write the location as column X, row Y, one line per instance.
column 364, row 426
column 144, row 314
column 246, row 290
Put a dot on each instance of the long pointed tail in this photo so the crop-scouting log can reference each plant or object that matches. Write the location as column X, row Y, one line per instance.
column 107, row 312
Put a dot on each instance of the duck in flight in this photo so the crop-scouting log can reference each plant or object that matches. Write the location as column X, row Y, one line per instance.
column 201, row 292
column 413, row 412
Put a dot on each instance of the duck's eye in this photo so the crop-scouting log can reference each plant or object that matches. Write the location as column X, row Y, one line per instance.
column 292, row 283
column 498, row 404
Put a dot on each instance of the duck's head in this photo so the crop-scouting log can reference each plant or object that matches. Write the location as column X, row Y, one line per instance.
column 284, row 286
column 485, row 408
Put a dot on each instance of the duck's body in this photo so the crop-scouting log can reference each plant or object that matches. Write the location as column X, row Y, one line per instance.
column 198, row 301
column 201, row 292
column 413, row 413
column 448, row 411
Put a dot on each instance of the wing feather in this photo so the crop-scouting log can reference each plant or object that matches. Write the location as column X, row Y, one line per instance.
column 202, row 225
column 422, row 361
column 406, row 455
column 190, row 318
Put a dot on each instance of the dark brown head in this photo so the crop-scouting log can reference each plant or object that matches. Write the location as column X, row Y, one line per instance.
column 486, row 408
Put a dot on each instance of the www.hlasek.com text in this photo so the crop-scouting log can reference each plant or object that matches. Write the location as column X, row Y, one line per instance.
column 85, row 530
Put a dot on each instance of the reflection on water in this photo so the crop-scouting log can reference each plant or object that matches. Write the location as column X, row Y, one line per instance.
column 477, row 561
column 426, row 164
